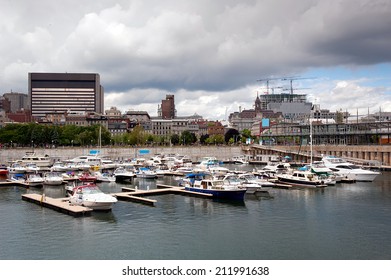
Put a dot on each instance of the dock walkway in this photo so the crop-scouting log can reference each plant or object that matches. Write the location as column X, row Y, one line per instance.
column 134, row 195
column 59, row 204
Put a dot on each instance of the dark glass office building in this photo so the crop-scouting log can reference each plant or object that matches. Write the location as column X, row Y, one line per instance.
column 62, row 92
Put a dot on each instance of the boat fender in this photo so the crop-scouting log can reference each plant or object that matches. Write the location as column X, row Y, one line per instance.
column 322, row 182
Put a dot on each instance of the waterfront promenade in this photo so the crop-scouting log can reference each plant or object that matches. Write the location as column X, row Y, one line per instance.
column 375, row 155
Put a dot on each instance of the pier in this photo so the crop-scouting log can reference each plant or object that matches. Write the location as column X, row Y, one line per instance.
column 138, row 196
column 62, row 205
column 59, row 204
column 10, row 183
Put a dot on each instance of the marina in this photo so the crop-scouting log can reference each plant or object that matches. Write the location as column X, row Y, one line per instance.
column 281, row 221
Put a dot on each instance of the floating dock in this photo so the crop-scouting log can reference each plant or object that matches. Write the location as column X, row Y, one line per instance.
column 10, row 183
column 59, row 204
column 135, row 195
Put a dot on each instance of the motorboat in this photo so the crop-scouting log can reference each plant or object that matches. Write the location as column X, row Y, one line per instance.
column 3, row 169
column 18, row 177
column 32, row 167
column 277, row 167
column 255, row 184
column 16, row 168
column 345, row 168
column 217, row 170
column 39, row 160
column 324, row 173
column 104, row 176
column 87, row 177
column 124, row 173
column 199, row 182
column 89, row 195
column 239, row 159
column 60, row 167
column 183, row 170
column 208, row 162
column 300, row 178
column 53, row 178
column 35, row 180
column 146, row 173
column 108, row 164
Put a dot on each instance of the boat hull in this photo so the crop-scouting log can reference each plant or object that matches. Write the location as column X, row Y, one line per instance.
column 298, row 183
column 124, row 178
column 220, row 194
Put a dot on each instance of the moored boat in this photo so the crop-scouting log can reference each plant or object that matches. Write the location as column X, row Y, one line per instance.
column 53, row 178
column 16, row 168
column 146, row 173
column 89, row 195
column 347, row 169
column 124, row 173
column 254, row 184
column 300, row 178
column 87, row 177
column 39, row 160
column 104, row 176
column 35, row 180
column 3, row 169
column 197, row 182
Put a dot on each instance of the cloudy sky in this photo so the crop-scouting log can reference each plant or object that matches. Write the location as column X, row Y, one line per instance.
column 209, row 54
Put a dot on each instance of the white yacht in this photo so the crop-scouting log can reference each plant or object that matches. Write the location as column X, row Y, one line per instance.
column 345, row 168
column 89, row 195
column 35, row 180
column 300, row 178
column 53, row 178
column 39, row 160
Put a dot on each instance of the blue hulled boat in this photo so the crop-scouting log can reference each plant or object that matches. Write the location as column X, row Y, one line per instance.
column 199, row 182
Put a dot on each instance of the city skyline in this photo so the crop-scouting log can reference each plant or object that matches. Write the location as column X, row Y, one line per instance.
column 209, row 55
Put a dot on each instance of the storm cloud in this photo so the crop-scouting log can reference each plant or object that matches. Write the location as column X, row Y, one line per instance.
column 207, row 53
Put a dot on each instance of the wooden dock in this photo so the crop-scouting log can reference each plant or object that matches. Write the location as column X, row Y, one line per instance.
column 10, row 183
column 59, row 204
column 135, row 195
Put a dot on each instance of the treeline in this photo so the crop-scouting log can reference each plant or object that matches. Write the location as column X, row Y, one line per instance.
column 37, row 135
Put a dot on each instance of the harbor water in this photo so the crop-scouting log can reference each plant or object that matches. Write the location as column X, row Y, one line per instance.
column 346, row 221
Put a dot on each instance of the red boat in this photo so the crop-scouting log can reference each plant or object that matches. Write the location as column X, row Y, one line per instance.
column 3, row 169
column 87, row 177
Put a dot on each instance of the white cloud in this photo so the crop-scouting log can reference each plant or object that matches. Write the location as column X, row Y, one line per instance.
column 211, row 49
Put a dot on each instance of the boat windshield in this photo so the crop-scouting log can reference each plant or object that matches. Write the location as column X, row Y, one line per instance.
column 249, row 177
column 350, row 166
column 232, row 179
column 218, row 183
column 89, row 190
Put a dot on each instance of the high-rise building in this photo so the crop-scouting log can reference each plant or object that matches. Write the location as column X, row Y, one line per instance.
column 62, row 92
column 167, row 109
column 19, row 101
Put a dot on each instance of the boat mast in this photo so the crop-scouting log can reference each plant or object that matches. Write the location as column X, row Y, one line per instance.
column 100, row 138
column 311, row 151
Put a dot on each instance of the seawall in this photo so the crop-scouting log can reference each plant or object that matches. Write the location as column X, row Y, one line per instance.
column 195, row 153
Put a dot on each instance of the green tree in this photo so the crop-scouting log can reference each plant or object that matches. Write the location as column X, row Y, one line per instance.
column 187, row 138
column 232, row 134
column 174, row 139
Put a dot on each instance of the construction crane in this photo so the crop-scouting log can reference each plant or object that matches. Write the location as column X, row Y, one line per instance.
column 271, row 79
column 273, row 88
column 292, row 89
column 291, row 79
